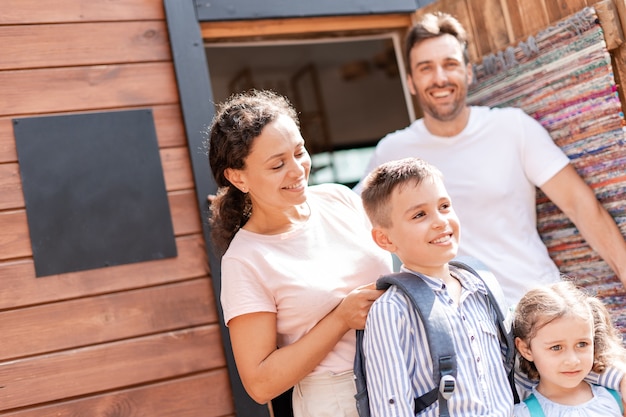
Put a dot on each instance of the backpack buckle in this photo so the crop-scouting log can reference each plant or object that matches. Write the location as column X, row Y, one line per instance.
column 447, row 386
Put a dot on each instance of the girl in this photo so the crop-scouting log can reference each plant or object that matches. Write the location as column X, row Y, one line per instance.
column 562, row 334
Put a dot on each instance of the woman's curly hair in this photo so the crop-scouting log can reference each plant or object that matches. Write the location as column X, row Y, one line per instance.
column 237, row 122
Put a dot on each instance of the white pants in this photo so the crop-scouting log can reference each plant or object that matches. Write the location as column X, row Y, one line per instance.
column 325, row 395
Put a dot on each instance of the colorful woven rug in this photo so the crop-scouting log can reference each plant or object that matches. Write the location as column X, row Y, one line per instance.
column 564, row 79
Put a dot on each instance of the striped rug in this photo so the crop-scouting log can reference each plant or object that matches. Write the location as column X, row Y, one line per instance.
column 563, row 78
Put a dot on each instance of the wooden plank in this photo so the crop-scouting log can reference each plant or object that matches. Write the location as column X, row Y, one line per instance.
column 7, row 141
column 14, row 239
column 618, row 59
column 184, row 210
column 21, row 288
column 532, row 14
column 105, row 318
column 560, row 9
column 620, row 5
column 65, row 45
column 231, row 30
column 490, row 31
column 515, row 24
column 611, row 25
column 219, row 10
column 204, row 395
column 34, row 11
column 11, row 195
column 109, row 366
column 87, row 88
column 177, row 169
column 168, row 123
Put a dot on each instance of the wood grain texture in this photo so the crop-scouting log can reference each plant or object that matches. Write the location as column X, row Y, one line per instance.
column 489, row 23
column 20, row 287
column 611, row 25
column 14, row 239
column 533, row 17
column 104, row 318
column 109, row 366
column 560, row 9
column 63, row 45
column 202, row 395
column 8, row 152
column 11, row 195
column 168, row 122
column 177, row 169
column 34, row 11
column 312, row 26
column 89, row 88
column 185, row 214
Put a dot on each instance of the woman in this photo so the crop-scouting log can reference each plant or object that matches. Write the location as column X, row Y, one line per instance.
column 298, row 261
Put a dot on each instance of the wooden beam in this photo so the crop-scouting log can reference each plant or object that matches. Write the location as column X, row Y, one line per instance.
column 610, row 22
column 620, row 6
column 300, row 26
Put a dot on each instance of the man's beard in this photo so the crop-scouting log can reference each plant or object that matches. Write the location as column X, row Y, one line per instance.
column 441, row 113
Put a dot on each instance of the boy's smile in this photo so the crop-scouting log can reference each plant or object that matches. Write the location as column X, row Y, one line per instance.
column 425, row 229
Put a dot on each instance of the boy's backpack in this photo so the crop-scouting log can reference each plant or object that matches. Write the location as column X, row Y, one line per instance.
column 438, row 334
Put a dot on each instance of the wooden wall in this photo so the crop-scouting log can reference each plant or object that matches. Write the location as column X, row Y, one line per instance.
column 139, row 339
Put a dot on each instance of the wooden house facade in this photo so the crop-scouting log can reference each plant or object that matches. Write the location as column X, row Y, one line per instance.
column 138, row 332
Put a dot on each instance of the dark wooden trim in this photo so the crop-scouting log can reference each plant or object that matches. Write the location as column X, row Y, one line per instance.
column 219, row 10
column 196, row 96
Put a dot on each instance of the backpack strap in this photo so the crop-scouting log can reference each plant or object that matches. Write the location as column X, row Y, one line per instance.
column 617, row 397
column 360, row 377
column 438, row 333
column 497, row 300
column 534, row 408
column 536, row 411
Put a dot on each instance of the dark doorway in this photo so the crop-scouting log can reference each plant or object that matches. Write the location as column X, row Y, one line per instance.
column 349, row 92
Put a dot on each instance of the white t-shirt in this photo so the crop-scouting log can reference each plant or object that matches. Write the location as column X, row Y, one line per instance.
column 303, row 274
column 491, row 170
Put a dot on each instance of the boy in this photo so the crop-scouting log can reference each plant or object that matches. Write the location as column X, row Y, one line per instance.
column 412, row 216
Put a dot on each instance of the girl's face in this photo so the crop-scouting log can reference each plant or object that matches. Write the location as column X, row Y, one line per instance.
column 277, row 169
column 562, row 351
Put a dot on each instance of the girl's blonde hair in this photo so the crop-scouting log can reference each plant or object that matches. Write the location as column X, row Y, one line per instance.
column 542, row 305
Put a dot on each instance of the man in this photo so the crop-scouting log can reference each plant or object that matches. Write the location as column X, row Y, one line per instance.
column 492, row 161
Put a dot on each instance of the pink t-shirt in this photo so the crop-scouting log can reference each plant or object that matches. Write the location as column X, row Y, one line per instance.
column 303, row 274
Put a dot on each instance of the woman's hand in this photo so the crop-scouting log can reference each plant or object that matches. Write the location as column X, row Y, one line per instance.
column 354, row 307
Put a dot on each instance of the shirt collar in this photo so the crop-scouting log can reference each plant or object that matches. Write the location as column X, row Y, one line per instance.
column 468, row 281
